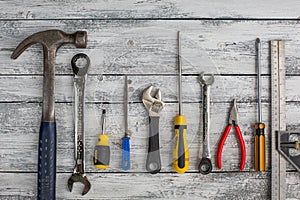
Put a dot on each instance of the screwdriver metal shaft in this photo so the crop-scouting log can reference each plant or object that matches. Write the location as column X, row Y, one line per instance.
column 259, row 139
column 126, row 138
column 180, row 151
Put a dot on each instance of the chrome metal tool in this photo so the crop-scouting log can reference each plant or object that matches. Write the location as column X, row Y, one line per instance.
column 80, row 65
column 205, row 166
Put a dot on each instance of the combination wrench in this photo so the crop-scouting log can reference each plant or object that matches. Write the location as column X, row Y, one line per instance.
column 79, row 88
column 205, row 165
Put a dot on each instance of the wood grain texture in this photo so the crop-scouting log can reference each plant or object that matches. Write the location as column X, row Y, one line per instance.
column 150, row 47
column 138, row 38
column 135, row 9
column 143, row 186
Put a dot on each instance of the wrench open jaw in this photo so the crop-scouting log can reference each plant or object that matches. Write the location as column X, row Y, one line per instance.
column 78, row 177
column 154, row 105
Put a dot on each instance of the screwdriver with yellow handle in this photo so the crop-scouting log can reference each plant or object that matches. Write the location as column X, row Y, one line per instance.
column 180, row 151
column 102, row 150
column 259, row 139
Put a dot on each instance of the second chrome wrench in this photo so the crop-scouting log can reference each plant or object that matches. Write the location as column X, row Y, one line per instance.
column 79, row 88
column 205, row 165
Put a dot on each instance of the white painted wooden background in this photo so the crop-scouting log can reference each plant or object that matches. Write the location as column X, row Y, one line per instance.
column 138, row 38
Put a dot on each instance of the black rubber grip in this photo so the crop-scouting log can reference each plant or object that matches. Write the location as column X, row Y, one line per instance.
column 153, row 163
column 102, row 155
column 181, row 152
column 47, row 161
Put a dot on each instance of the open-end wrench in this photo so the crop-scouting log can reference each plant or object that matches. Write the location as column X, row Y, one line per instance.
column 205, row 165
column 79, row 88
column 154, row 105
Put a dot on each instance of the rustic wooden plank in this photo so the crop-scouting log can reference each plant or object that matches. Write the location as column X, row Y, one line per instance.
column 110, row 89
column 159, row 186
column 42, row 9
column 22, row 155
column 150, row 46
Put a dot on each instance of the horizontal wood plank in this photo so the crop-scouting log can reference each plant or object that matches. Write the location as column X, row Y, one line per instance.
column 159, row 186
column 150, row 47
column 86, row 9
column 110, row 89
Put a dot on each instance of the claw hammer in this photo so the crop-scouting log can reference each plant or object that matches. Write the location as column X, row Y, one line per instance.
column 51, row 40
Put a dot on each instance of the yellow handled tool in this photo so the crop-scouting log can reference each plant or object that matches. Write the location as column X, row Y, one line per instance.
column 260, row 147
column 180, row 151
column 102, row 150
column 259, row 139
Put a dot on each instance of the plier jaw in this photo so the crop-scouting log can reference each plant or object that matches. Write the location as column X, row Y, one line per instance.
column 233, row 117
column 154, row 105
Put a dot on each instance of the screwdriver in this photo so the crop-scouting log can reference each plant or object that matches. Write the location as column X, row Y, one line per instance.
column 180, row 151
column 126, row 138
column 259, row 139
column 102, row 150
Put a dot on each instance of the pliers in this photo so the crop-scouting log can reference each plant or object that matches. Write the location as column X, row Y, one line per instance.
column 233, row 121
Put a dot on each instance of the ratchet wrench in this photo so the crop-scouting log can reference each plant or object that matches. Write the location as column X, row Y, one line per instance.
column 79, row 88
column 205, row 165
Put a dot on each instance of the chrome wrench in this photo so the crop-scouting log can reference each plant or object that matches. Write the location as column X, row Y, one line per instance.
column 205, row 165
column 154, row 105
column 79, row 88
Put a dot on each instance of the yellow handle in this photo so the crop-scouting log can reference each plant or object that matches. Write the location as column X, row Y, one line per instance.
column 180, row 151
column 102, row 152
column 102, row 140
column 260, row 147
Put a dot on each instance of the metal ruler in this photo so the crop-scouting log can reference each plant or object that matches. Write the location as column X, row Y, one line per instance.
column 278, row 116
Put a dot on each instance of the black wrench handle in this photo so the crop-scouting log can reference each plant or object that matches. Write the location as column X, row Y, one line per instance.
column 153, row 163
column 47, row 161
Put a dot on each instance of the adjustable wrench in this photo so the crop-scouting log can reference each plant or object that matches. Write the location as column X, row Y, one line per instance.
column 154, row 105
column 79, row 88
column 205, row 165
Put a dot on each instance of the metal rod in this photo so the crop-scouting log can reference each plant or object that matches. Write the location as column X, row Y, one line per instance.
column 126, row 105
column 102, row 131
column 179, row 74
column 258, row 64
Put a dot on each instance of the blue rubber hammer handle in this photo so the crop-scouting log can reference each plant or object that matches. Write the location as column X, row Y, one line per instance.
column 126, row 153
column 47, row 161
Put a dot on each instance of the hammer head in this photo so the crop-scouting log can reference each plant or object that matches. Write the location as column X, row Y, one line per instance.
column 51, row 40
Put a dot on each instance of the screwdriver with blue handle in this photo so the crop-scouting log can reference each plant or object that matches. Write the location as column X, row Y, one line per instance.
column 180, row 151
column 102, row 150
column 126, row 138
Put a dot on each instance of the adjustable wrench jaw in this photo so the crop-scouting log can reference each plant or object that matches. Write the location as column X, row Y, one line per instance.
column 154, row 105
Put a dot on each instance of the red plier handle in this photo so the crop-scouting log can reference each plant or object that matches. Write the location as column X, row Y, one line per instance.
column 242, row 146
